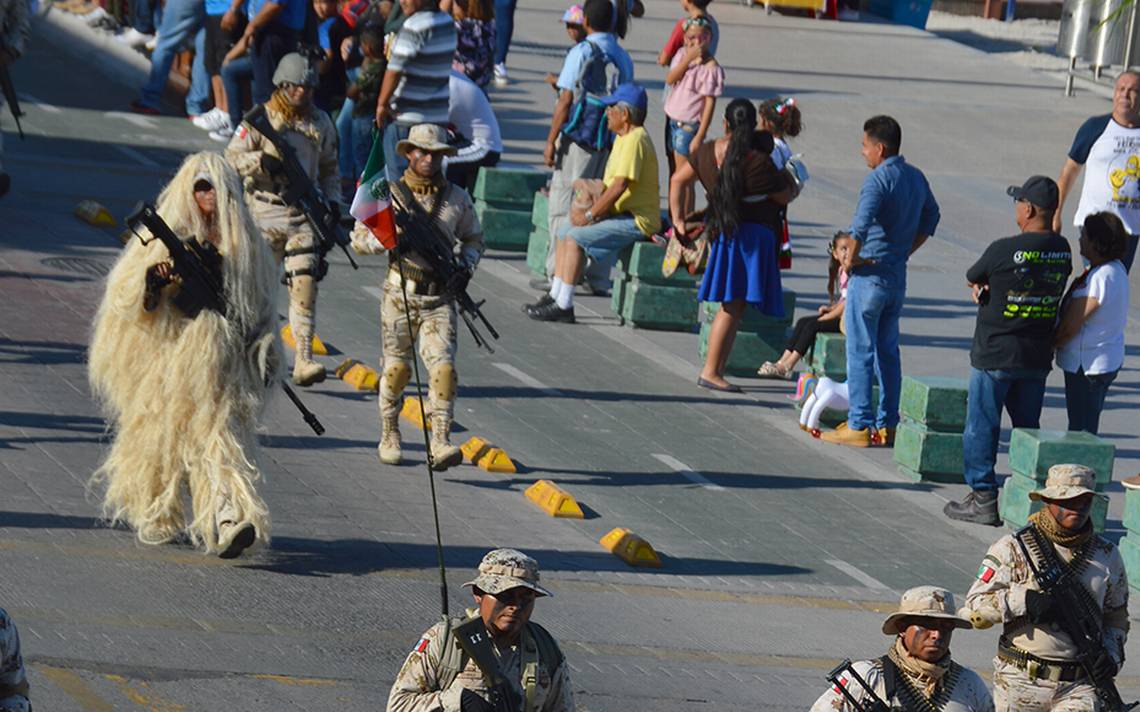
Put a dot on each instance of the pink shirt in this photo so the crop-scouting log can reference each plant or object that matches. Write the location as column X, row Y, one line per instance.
column 687, row 97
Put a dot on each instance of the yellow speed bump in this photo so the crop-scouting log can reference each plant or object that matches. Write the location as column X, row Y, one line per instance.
column 319, row 348
column 630, row 548
column 480, row 452
column 358, row 375
column 554, row 500
column 411, row 412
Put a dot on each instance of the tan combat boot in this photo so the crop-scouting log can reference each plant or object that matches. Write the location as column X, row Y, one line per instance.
column 307, row 373
column 443, row 454
column 389, row 447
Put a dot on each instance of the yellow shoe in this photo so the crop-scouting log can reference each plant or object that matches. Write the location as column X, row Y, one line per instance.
column 843, row 435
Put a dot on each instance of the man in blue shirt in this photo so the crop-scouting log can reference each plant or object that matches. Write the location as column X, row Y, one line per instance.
column 895, row 215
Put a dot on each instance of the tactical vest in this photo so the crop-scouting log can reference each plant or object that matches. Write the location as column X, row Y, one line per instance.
column 536, row 646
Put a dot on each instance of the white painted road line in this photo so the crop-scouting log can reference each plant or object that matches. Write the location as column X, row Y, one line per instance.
column 50, row 108
column 687, row 472
column 860, row 576
column 526, row 379
column 375, row 291
column 136, row 155
column 143, row 122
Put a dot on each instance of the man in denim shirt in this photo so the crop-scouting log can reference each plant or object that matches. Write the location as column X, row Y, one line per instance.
column 896, row 213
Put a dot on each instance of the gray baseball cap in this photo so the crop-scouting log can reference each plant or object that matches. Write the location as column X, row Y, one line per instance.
column 504, row 569
column 295, row 69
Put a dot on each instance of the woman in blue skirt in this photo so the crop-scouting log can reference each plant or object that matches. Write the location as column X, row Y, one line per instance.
column 745, row 192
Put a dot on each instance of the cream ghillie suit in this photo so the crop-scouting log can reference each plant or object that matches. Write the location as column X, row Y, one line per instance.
column 433, row 321
column 183, row 396
column 313, row 138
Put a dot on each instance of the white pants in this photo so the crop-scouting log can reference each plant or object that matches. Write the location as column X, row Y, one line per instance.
column 827, row 394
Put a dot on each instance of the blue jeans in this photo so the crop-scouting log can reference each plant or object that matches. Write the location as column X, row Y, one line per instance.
column 1021, row 392
column 361, row 145
column 872, row 314
column 144, row 15
column 181, row 22
column 603, row 240
column 1084, row 398
column 679, row 135
column 394, row 165
column 233, row 74
column 504, row 28
column 344, row 130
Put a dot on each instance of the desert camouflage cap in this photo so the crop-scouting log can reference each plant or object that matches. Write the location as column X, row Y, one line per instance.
column 925, row 602
column 504, row 569
column 295, row 69
column 1067, row 482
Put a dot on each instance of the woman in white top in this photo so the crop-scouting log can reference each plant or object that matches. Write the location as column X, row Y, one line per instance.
column 1090, row 338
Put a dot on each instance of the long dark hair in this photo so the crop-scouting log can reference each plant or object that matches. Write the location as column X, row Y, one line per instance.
column 724, row 202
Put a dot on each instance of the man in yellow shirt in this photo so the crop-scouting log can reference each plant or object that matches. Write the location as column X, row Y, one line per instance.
column 628, row 210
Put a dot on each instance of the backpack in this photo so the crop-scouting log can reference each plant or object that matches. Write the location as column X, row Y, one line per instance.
column 597, row 78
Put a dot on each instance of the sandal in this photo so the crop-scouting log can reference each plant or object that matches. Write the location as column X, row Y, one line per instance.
column 772, row 370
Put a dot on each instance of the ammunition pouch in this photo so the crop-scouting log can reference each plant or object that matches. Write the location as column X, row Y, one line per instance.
column 421, row 284
column 318, row 273
column 1039, row 668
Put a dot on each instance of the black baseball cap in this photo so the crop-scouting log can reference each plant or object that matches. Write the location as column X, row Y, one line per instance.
column 1038, row 190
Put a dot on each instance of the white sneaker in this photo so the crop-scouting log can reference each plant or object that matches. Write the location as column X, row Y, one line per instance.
column 223, row 134
column 95, row 16
column 501, row 78
column 213, row 120
column 133, row 38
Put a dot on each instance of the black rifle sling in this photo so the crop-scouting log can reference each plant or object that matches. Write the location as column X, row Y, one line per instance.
column 912, row 699
column 1070, row 572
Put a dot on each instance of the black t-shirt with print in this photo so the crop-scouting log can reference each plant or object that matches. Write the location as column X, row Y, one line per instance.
column 1026, row 275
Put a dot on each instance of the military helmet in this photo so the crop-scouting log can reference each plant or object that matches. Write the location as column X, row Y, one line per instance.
column 294, row 68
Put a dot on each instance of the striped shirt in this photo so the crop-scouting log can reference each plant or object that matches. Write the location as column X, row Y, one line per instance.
column 422, row 54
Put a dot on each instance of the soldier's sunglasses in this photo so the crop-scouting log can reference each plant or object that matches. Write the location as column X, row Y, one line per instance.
column 518, row 597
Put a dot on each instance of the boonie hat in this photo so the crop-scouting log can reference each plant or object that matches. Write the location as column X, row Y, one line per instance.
column 504, row 569
column 295, row 69
column 925, row 602
column 1038, row 190
column 426, row 137
column 574, row 15
column 1067, row 482
column 630, row 94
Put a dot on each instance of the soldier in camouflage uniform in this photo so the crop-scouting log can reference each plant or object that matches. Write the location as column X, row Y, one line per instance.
column 438, row 675
column 13, row 679
column 313, row 137
column 917, row 668
column 1035, row 668
column 433, row 316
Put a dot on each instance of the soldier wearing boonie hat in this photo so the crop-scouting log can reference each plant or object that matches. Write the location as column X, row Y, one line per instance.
column 432, row 311
column 1036, row 666
column 438, row 675
column 917, row 671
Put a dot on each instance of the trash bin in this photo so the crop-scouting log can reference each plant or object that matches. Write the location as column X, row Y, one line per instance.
column 1076, row 25
column 904, row 12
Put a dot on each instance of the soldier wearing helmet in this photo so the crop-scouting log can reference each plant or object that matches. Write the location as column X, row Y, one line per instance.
column 313, row 137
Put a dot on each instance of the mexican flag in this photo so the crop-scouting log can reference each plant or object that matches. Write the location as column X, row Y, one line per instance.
column 372, row 204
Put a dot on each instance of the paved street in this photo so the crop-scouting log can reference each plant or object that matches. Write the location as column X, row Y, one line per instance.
column 781, row 555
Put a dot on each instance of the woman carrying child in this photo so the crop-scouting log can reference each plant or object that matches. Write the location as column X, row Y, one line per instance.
column 781, row 118
column 828, row 320
column 695, row 81
column 745, row 192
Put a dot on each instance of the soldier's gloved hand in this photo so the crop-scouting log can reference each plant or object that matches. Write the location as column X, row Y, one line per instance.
column 459, row 281
column 471, row 702
column 1104, row 668
column 1039, row 606
column 271, row 164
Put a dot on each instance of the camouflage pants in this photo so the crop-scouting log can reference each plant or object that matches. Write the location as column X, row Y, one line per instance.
column 433, row 323
column 1015, row 692
column 286, row 230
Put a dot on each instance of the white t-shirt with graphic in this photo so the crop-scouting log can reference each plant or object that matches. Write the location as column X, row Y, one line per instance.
column 1099, row 346
column 1110, row 154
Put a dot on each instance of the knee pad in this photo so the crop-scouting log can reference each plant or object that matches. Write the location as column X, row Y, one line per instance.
column 444, row 381
column 396, row 375
column 303, row 293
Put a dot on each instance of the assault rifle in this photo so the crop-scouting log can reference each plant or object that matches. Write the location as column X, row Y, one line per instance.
column 198, row 288
column 475, row 641
column 10, row 96
column 1078, row 615
column 300, row 190
column 420, row 234
column 871, row 701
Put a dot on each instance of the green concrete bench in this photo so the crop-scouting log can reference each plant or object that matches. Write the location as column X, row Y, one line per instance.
column 756, row 321
column 642, row 261
column 655, row 306
column 1033, row 452
column 509, row 188
column 927, row 455
column 504, row 229
column 829, row 357
column 748, row 351
column 936, row 402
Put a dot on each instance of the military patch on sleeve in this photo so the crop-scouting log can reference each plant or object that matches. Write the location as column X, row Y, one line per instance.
column 422, row 645
column 987, row 570
column 242, row 131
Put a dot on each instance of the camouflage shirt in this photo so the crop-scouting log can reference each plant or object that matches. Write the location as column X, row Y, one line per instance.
column 13, row 680
column 968, row 693
column 428, row 681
